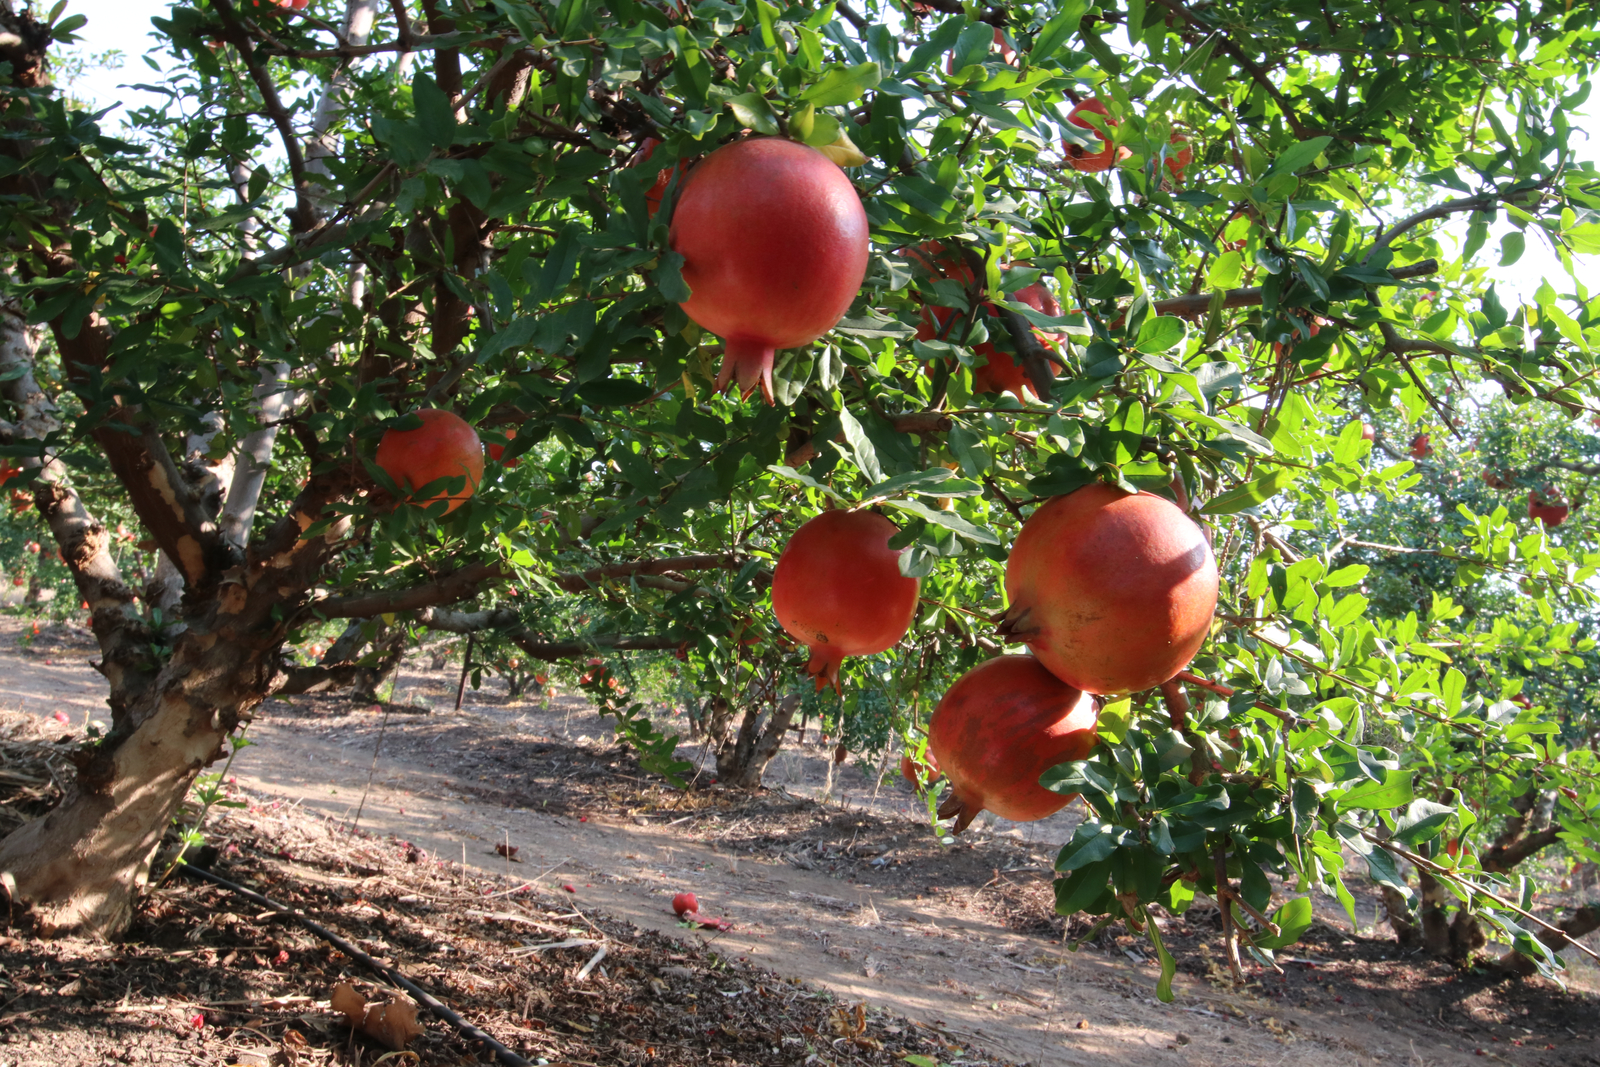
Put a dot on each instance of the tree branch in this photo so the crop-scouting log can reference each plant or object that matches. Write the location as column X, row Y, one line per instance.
column 140, row 460
column 1580, row 922
column 84, row 542
column 1250, row 66
column 554, row 650
column 305, row 212
column 467, row 622
column 321, row 679
column 465, row 582
column 1200, row 303
column 1035, row 360
column 1481, row 202
column 1289, row 719
column 1502, row 858
column 273, row 399
column 457, row 585
column 994, row 16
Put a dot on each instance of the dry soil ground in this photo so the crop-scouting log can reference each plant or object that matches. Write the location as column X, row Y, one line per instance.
column 955, row 949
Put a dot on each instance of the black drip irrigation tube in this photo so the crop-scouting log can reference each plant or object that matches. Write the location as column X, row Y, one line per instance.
column 428, row 1000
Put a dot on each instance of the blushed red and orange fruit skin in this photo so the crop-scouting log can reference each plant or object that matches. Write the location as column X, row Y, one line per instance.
column 775, row 242
column 444, row 446
column 1113, row 591
column 998, row 728
column 838, row 589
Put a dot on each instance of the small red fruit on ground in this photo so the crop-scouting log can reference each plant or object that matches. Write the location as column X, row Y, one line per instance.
column 684, row 903
column 1113, row 591
column 444, row 446
column 838, row 588
column 774, row 240
column 997, row 729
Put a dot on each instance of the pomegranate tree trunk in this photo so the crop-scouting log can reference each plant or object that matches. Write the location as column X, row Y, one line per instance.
column 742, row 763
column 78, row 868
column 1584, row 920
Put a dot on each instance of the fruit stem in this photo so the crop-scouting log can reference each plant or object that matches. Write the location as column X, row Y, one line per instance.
column 751, row 363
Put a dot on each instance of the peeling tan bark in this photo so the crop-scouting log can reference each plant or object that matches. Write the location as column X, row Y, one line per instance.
column 84, row 542
column 77, row 869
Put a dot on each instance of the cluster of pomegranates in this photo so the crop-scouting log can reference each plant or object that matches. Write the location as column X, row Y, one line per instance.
column 774, row 243
column 1112, row 592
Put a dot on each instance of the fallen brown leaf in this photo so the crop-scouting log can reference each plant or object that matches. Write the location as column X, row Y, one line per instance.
column 391, row 1022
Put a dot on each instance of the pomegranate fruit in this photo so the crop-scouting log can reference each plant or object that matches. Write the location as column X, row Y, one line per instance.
column 1002, row 725
column 920, row 774
column 838, row 589
column 658, row 189
column 444, row 446
column 1420, row 447
column 1179, row 158
column 774, row 241
column 1080, row 158
column 1543, row 505
column 496, row 451
column 1113, row 591
column 1368, row 433
column 1002, row 373
column 685, row 902
column 1496, row 478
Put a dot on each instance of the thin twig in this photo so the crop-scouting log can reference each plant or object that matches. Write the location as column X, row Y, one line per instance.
column 372, row 769
column 383, row 971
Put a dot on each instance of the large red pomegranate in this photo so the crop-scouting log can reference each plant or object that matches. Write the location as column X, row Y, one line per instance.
column 838, row 588
column 1002, row 373
column 1113, row 591
column 1002, row 725
column 774, row 241
column 1080, row 158
column 444, row 446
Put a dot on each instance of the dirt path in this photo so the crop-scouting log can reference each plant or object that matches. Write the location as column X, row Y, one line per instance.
column 861, row 935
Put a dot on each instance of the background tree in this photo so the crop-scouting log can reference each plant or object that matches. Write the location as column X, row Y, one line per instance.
column 346, row 214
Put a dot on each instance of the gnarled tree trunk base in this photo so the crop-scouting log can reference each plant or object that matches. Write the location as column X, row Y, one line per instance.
column 78, row 869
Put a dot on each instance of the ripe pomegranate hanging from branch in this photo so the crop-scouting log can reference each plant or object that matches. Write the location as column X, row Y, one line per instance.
column 838, row 588
column 1113, row 591
column 774, row 241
